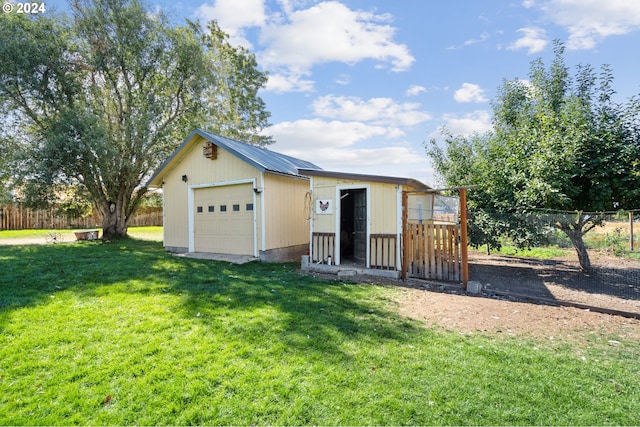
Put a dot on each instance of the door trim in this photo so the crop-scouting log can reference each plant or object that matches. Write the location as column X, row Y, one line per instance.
column 338, row 217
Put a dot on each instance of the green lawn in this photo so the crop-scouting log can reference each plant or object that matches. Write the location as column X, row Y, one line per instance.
column 123, row 333
column 146, row 233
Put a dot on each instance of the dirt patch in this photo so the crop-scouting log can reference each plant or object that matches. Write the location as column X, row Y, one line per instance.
column 559, row 279
column 470, row 314
column 522, row 297
column 501, row 309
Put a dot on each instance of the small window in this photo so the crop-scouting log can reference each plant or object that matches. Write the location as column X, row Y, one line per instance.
column 236, row 208
column 212, row 208
column 249, row 206
column 223, row 208
column 199, row 209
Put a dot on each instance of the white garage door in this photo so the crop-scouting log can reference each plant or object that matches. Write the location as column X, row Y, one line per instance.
column 223, row 219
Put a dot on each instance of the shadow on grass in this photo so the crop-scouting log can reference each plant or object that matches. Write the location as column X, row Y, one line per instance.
column 256, row 302
column 530, row 277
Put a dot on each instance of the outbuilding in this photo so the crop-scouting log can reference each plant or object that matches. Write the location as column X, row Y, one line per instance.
column 227, row 197
column 356, row 220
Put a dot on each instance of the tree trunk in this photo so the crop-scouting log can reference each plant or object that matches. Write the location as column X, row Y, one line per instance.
column 575, row 230
column 114, row 221
column 578, row 243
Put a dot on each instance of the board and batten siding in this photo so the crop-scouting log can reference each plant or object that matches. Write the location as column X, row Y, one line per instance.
column 382, row 204
column 284, row 211
column 199, row 170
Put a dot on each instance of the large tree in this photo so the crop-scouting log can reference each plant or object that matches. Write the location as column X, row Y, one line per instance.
column 101, row 98
column 558, row 144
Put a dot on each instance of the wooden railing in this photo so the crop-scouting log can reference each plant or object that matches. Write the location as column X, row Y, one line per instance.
column 383, row 251
column 323, row 246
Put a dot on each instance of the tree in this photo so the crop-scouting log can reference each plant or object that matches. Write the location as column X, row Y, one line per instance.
column 557, row 144
column 102, row 98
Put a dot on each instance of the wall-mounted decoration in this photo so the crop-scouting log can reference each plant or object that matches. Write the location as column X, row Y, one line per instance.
column 324, row 206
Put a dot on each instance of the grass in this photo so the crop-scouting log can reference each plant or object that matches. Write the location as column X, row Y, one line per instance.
column 145, row 233
column 612, row 239
column 546, row 252
column 122, row 333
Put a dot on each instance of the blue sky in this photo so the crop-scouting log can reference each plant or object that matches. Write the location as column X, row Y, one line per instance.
column 359, row 85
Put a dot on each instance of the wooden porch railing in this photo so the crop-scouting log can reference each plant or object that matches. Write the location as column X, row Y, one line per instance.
column 323, row 246
column 383, row 251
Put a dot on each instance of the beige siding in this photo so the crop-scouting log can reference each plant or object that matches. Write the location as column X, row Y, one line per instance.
column 199, row 171
column 323, row 189
column 175, row 212
column 382, row 204
column 383, row 208
column 285, row 215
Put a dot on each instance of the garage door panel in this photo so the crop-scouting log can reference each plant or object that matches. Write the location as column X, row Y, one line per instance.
column 218, row 227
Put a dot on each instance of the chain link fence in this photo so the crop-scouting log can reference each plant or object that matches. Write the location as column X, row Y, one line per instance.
column 550, row 266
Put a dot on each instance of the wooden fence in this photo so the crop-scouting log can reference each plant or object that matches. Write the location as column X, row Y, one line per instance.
column 17, row 217
column 433, row 251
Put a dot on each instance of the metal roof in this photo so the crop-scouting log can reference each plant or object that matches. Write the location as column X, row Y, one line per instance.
column 362, row 177
column 261, row 158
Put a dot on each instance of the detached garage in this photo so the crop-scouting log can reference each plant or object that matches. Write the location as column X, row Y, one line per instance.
column 228, row 197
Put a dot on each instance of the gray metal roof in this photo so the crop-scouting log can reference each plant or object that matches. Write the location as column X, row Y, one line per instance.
column 369, row 178
column 261, row 158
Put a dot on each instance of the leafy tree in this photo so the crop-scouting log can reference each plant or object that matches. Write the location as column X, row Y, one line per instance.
column 557, row 144
column 103, row 97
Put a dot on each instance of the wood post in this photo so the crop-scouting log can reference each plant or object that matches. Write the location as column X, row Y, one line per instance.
column 405, row 246
column 631, row 231
column 463, row 238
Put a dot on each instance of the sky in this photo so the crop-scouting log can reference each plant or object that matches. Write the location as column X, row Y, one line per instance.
column 360, row 85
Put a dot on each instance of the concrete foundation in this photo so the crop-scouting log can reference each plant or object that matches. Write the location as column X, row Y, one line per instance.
column 288, row 254
column 345, row 271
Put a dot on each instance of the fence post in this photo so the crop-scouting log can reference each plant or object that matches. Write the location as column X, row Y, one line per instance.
column 631, row 230
column 463, row 238
column 405, row 245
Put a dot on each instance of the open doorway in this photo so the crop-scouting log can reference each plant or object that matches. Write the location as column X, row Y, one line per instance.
column 353, row 226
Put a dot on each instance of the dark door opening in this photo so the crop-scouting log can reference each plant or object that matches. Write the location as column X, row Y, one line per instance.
column 353, row 226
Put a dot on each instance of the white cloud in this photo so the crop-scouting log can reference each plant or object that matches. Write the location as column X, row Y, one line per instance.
column 318, row 134
column 328, row 32
column 293, row 39
column 478, row 121
column 289, row 82
column 470, row 92
column 233, row 17
column 533, row 39
column 334, row 144
column 381, row 111
column 415, row 90
column 589, row 21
